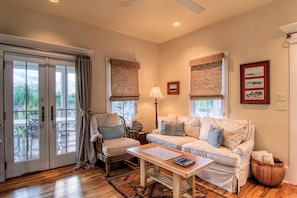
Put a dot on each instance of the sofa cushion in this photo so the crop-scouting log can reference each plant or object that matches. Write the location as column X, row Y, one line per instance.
column 232, row 139
column 118, row 146
column 112, row 132
column 229, row 126
column 215, row 136
column 192, row 125
column 170, row 141
column 172, row 128
column 221, row 155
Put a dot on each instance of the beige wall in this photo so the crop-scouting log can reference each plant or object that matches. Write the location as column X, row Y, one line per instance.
column 35, row 25
column 250, row 37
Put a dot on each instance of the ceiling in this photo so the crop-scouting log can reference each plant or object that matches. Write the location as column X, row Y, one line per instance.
column 150, row 20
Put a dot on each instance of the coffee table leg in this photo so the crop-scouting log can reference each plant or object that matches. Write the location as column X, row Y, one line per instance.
column 191, row 181
column 143, row 172
column 177, row 189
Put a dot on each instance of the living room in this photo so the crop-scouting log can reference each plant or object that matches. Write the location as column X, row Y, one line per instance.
column 249, row 37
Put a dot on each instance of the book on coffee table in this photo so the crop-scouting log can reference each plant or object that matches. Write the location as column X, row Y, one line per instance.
column 183, row 161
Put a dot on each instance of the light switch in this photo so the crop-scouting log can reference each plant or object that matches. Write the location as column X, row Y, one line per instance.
column 281, row 96
column 281, row 105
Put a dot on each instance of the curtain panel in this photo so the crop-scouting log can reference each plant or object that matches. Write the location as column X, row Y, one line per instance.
column 124, row 80
column 86, row 152
column 206, row 77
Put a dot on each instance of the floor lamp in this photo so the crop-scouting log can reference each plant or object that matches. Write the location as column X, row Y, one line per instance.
column 156, row 93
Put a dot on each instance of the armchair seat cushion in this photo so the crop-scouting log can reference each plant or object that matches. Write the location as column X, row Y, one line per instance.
column 118, row 146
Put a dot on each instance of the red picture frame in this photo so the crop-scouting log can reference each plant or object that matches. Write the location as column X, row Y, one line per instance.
column 254, row 83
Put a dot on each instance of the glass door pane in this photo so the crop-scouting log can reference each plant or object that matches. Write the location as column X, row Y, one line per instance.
column 65, row 110
column 26, row 111
column 24, row 106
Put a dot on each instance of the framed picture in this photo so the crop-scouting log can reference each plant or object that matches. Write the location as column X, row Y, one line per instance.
column 173, row 88
column 254, row 83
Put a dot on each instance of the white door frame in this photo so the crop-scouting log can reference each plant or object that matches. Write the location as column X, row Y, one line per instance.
column 291, row 29
column 2, row 158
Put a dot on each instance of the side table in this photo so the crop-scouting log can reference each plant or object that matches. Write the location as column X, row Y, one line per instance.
column 138, row 135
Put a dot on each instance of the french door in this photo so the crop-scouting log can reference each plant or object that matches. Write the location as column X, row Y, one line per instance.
column 40, row 113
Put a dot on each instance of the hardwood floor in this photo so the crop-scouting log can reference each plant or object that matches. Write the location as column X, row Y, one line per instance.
column 66, row 182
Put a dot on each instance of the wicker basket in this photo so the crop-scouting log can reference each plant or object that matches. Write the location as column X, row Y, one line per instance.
column 269, row 174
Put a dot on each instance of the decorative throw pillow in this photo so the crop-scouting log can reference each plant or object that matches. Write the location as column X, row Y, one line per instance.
column 112, row 132
column 192, row 125
column 232, row 139
column 215, row 136
column 172, row 128
column 204, row 130
column 169, row 118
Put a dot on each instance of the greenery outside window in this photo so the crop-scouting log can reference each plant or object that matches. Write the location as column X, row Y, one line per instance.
column 207, row 108
column 127, row 109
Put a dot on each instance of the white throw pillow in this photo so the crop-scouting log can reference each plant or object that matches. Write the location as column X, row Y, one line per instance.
column 205, row 126
column 192, row 125
column 232, row 139
column 242, row 126
column 235, row 131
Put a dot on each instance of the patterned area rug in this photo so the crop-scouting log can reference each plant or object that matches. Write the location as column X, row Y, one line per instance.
column 128, row 185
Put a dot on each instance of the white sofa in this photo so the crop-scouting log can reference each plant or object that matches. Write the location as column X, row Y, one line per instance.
column 232, row 158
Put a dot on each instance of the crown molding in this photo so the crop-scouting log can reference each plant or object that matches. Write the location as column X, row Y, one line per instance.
column 43, row 45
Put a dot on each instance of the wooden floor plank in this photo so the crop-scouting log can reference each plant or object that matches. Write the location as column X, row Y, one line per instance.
column 66, row 182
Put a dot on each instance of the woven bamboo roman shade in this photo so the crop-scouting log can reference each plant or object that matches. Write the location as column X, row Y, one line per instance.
column 206, row 77
column 124, row 80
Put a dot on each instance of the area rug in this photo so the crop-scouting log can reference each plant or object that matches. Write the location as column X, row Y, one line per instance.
column 128, row 185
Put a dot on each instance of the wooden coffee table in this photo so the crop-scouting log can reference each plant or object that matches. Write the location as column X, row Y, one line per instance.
column 182, row 179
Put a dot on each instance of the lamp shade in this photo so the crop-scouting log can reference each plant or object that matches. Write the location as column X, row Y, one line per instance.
column 156, row 92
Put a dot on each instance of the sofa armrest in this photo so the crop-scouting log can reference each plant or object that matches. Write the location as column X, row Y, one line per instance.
column 248, row 146
column 244, row 148
column 156, row 131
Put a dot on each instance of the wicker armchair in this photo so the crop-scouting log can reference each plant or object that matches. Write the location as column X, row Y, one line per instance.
column 109, row 133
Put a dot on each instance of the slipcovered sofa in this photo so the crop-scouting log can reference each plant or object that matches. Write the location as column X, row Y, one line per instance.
column 228, row 142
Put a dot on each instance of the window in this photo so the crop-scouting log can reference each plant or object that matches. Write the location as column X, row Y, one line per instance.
column 207, row 88
column 123, row 89
column 207, row 108
column 127, row 108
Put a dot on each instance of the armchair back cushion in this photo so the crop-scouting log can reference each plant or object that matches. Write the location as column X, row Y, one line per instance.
column 106, row 120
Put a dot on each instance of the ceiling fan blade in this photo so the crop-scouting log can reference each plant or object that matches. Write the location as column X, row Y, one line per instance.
column 129, row 2
column 191, row 5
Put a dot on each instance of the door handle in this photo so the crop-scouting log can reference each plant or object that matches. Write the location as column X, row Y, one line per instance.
column 52, row 113
column 42, row 114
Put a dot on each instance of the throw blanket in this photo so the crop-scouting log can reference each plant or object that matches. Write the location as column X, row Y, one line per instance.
column 107, row 119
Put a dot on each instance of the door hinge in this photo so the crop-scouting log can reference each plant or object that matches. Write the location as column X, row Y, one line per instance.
column 4, row 115
column 5, row 165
